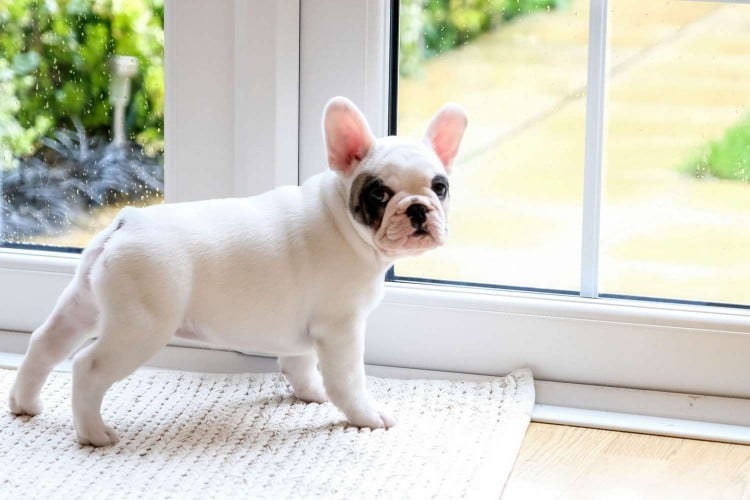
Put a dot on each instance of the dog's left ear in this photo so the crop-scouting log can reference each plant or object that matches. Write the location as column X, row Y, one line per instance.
column 347, row 136
column 445, row 131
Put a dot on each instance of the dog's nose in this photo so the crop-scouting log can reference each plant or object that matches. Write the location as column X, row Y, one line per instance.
column 417, row 214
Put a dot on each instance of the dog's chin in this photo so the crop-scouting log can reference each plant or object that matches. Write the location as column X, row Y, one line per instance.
column 411, row 244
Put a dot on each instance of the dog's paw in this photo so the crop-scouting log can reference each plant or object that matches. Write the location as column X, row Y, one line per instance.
column 314, row 394
column 20, row 405
column 103, row 435
column 372, row 417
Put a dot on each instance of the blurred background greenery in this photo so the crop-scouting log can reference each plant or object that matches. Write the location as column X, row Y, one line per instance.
column 727, row 157
column 58, row 164
column 53, row 70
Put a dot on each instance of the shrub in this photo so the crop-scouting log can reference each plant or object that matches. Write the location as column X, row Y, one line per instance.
column 67, row 177
column 53, row 70
column 725, row 158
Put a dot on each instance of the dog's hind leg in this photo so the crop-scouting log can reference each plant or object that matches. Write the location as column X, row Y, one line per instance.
column 71, row 322
column 130, row 334
column 141, row 303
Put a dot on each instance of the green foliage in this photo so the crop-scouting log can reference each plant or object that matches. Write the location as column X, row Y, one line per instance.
column 431, row 27
column 53, row 70
column 725, row 158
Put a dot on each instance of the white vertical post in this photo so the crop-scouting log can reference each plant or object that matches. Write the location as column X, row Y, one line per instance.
column 377, row 50
column 170, row 96
column 592, row 176
column 232, row 91
column 122, row 69
column 199, row 99
column 343, row 51
column 266, row 94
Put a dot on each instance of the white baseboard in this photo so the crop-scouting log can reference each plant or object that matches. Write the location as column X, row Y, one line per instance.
column 642, row 424
column 622, row 409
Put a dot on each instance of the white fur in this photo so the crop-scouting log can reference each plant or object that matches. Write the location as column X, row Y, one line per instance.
column 289, row 273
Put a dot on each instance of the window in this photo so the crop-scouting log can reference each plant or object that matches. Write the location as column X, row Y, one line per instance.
column 676, row 200
column 81, row 117
column 674, row 149
column 244, row 87
column 229, row 121
column 520, row 70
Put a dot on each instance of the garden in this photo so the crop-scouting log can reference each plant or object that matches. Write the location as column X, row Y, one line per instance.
column 59, row 159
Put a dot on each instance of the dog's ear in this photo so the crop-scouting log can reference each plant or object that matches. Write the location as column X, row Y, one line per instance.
column 347, row 136
column 445, row 131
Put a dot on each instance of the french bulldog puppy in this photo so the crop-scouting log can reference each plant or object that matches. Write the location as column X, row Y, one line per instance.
column 293, row 272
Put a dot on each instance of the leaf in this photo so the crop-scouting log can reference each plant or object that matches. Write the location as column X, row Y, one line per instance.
column 26, row 62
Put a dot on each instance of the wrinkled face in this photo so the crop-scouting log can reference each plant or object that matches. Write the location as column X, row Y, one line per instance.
column 402, row 200
column 397, row 189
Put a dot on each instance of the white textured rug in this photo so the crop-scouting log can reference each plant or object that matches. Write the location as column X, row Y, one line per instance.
column 193, row 435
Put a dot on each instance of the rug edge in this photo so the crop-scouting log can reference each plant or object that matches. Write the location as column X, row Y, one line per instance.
column 525, row 389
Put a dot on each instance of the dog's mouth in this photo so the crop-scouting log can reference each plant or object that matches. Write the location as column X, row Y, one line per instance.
column 407, row 231
column 412, row 241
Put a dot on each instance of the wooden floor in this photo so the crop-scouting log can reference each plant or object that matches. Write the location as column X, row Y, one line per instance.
column 558, row 461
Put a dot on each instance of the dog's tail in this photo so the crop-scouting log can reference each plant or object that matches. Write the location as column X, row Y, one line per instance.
column 97, row 244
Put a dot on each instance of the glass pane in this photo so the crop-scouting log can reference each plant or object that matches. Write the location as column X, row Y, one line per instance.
column 519, row 67
column 677, row 193
column 81, row 116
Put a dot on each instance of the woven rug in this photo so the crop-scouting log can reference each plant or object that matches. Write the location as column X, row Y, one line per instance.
column 197, row 436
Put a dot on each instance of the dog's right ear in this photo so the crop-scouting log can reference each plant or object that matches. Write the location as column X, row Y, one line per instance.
column 347, row 136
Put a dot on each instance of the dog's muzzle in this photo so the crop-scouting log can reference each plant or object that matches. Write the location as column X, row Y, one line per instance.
column 411, row 225
column 417, row 214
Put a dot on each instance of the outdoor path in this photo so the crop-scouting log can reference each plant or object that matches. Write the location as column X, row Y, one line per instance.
column 679, row 77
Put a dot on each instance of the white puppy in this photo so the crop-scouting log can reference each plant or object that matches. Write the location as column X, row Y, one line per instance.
column 293, row 272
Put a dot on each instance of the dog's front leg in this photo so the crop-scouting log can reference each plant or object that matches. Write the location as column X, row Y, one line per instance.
column 340, row 348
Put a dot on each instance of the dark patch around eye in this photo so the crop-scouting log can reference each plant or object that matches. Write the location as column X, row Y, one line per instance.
column 365, row 208
column 440, row 183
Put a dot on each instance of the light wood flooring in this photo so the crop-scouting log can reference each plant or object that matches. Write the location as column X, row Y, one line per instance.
column 558, row 461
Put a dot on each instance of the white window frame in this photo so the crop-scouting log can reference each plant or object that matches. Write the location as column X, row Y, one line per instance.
column 261, row 109
column 650, row 345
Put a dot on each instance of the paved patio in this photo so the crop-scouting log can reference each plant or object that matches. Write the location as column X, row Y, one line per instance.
column 679, row 77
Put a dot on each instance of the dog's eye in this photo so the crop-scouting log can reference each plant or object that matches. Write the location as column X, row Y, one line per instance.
column 441, row 190
column 379, row 194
